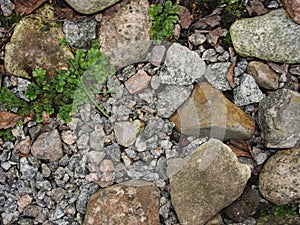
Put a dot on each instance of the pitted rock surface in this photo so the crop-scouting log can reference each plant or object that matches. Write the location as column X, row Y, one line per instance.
column 271, row 37
column 89, row 7
column 206, row 182
column 131, row 202
column 279, row 180
column 125, row 37
column 209, row 113
column 37, row 41
column 279, row 118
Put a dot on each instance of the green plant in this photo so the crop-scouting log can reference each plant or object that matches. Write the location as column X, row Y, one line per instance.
column 233, row 7
column 68, row 89
column 163, row 19
column 279, row 210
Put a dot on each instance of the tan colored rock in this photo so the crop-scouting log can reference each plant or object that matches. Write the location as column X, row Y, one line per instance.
column 206, row 182
column 209, row 113
column 279, row 179
column 264, row 76
column 125, row 36
column 36, row 43
column 89, row 7
column 131, row 202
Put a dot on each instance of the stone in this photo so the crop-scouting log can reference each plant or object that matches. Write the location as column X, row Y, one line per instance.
column 182, row 66
column 131, row 202
column 126, row 132
column 279, row 117
column 125, row 37
column 216, row 75
column 157, row 55
column 255, row 37
column 171, row 98
column 264, row 76
column 38, row 44
column 247, row 92
column 90, row 7
column 205, row 182
column 48, row 146
column 138, row 82
column 209, row 113
column 284, row 219
column 243, row 207
column 279, row 179
column 79, row 34
column 292, row 9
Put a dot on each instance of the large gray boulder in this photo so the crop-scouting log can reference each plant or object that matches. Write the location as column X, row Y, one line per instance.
column 205, row 182
column 271, row 37
column 279, row 119
column 90, row 6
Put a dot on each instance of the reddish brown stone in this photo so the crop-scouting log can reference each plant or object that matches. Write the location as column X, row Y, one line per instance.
column 138, row 82
column 130, row 203
column 292, row 8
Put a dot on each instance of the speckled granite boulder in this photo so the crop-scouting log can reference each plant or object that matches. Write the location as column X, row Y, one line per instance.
column 279, row 179
column 36, row 43
column 271, row 37
column 131, row 202
column 279, row 119
column 90, row 6
column 125, row 36
column 205, row 182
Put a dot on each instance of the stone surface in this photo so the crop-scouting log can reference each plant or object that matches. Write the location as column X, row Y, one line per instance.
column 243, row 207
column 216, row 75
column 264, row 76
column 38, row 44
column 279, row 118
column 279, row 179
column 79, row 34
column 170, row 98
column 247, row 92
column 48, row 146
column 89, row 7
column 132, row 202
column 278, row 220
column 138, row 82
column 125, row 37
column 126, row 132
column 255, row 37
column 292, row 8
column 182, row 66
column 209, row 113
column 206, row 182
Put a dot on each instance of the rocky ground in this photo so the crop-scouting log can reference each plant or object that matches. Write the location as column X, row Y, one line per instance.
column 203, row 128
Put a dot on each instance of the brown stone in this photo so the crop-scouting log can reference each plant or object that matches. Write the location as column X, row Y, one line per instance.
column 292, row 8
column 209, row 113
column 138, row 82
column 36, row 43
column 129, row 203
column 264, row 76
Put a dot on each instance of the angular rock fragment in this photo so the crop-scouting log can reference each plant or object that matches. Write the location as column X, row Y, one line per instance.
column 209, row 113
column 89, row 7
column 206, row 182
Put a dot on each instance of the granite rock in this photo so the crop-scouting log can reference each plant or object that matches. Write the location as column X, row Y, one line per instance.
column 131, row 202
column 205, row 182
column 89, row 7
column 125, row 37
column 279, row 118
column 271, row 37
column 209, row 113
column 126, row 132
column 216, row 75
column 279, row 179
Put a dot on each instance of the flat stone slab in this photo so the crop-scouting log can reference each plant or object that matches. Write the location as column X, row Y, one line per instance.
column 271, row 37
